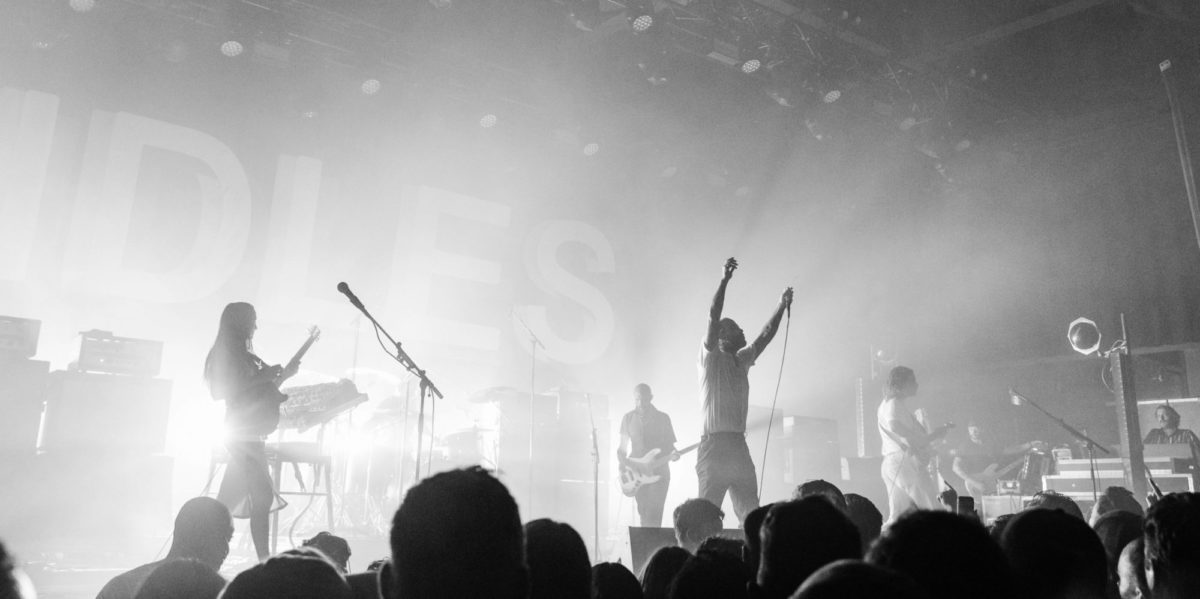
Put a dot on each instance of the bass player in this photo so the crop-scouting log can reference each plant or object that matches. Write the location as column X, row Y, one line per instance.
column 982, row 461
column 645, row 428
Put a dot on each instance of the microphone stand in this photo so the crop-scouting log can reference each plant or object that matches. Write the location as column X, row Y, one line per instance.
column 595, row 482
column 534, row 343
column 410, row 365
column 1087, row 441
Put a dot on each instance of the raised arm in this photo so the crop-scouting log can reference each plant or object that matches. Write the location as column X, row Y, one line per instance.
column 718, row 305
column 768, row 332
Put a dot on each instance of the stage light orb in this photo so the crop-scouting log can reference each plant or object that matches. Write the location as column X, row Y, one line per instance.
column 643, row 23
column 370, row 87
column 832, row 96
column 591, row 149
column 232, row 48
column 751, row 66
column 1084, row 336
column 488, row 121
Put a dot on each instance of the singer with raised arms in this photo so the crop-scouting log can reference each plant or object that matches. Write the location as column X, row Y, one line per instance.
column 723, row 462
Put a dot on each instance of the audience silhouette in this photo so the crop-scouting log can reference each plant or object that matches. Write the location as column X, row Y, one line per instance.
column 1054, row 555
column 1116, row 529
column 865, row 516
column 1053, row 500
column 614, row 581
column 661, row 569
column 696, row 520
column 798, row 538
column 294, row 574
column 457, row 534
column 182, row 579
column 950, row 556
column 853, row 579
column 822, row 488
column 558, row 562
column 1172, row 547
column 203, row 529
column 709, row 575
column 14, row 583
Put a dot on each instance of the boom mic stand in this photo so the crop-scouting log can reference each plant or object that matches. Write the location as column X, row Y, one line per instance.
column 1088, row 442
column 407, row 363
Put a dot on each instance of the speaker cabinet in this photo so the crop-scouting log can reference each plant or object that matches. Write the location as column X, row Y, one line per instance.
column 105, row 413
column 21, row 396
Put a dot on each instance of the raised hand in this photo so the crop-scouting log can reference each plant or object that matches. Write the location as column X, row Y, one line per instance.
column 730, row 266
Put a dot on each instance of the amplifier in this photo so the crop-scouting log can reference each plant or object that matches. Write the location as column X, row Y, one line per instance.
column 22, row 393
column 1080, row 486
column 97, row 413
column 19, row 336
column 100, row 351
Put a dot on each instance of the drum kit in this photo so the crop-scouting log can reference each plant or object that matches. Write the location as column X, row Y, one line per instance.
column 387, row 442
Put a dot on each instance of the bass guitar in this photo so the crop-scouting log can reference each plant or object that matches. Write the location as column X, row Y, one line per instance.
column 263, row 411
column 995, row 472
column 636, row 472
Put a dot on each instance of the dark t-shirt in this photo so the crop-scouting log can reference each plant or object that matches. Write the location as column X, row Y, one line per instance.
column 649, row 430
column 976, row 457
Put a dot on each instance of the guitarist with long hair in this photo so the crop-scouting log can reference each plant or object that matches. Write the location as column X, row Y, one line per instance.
column 645, row 429
column 906, row 446
column 250, row 389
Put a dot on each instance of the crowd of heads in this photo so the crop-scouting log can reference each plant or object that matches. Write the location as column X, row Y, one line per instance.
column 459, row 534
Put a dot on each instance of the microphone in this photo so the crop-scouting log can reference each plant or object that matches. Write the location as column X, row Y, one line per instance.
column 345, row 290
column 1014, row 397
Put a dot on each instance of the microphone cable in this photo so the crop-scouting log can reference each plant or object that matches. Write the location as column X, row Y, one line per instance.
column 787, row 327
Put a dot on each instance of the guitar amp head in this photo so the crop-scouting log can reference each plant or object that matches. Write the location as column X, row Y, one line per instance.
column 1008, row 487
column 101, row 351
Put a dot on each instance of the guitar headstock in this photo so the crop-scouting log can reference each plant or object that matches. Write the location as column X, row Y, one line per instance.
column 314, row 332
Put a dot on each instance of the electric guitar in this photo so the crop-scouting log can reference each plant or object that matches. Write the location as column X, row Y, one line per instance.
column 989, row 476
column 928, row 450
column 263, row 410
column 994, row 472
column 637, row 472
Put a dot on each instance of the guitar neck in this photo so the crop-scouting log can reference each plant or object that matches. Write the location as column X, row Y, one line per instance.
column 295, row 361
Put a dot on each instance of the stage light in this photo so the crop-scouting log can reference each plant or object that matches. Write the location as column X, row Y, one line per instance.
column 83, row 5
column 751, row 66
column 1084, row 336
column 370, row 87
column 488, row 121
column 232, row 48
column 831, row 96
column 643, row 23
column 591, row 149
